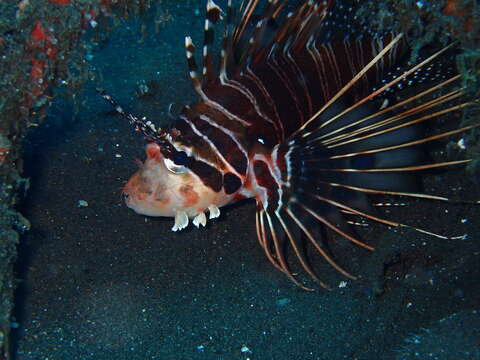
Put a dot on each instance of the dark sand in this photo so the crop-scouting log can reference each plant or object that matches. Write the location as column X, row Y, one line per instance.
column 101, row 282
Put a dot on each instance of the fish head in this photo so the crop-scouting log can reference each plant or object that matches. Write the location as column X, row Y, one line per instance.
column 162, row 188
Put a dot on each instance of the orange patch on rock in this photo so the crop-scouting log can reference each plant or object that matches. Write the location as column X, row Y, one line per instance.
column 36, row 75
column 38, row 33
column 453, row 8
column 3, row 153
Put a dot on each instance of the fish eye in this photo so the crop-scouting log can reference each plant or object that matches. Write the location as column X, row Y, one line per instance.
column 174, row 168
column 180, row 158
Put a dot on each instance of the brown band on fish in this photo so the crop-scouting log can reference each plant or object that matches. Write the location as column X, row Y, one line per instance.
column 264, row 178
column 201, row 147
column 209, row 175
column 231, row 183
column 225, row 145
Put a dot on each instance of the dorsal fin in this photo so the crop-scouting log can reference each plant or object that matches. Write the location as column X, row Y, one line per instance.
column 246, row 16
column 192, row 65
column 227, row 41
column 213, row 15
column 250, row 35
column 277, row 69
column 251, row 42
column 259, row 39
column 249, row 38
column 309, row 21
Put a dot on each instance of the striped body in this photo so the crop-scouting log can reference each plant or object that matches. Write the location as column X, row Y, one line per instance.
column 303, row 122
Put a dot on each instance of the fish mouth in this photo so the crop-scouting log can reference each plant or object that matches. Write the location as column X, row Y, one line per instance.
column 127, row 199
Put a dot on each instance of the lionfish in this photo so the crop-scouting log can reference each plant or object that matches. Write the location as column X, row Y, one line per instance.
column 308, row 121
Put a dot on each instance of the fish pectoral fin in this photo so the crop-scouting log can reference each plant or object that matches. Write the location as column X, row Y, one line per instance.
column 214, row 211
column 200, row 219
column 181, row 221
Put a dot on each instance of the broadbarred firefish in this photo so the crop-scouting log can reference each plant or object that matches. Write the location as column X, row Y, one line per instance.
column 308, row 115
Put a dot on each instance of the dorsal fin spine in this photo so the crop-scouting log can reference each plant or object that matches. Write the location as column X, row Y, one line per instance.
column 212, row 16
column 192, row 65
